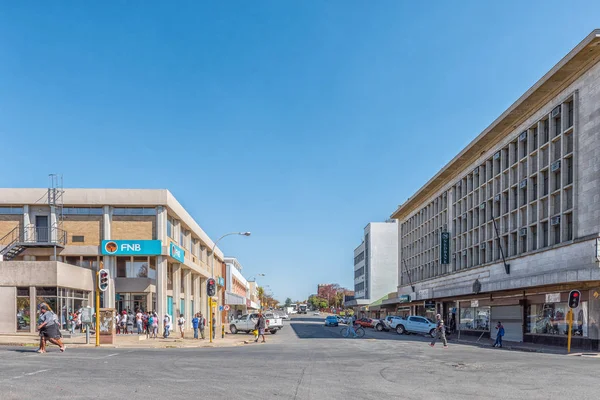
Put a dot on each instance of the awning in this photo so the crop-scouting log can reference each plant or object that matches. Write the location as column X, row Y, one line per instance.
column 233, row 299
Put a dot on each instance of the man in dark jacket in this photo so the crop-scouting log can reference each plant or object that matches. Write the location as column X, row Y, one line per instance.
column 261, row 325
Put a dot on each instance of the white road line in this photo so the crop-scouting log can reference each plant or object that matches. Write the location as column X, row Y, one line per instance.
column 30, row 373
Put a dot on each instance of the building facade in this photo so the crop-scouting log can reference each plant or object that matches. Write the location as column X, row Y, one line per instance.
column 375, row 264
column 509, row 226
column 238, row 288
column 157, row 255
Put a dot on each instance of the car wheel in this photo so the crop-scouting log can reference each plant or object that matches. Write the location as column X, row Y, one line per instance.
column 233, row 329
column 400, row 330
column 379, row 327
column 432, row 333
column 274, row 331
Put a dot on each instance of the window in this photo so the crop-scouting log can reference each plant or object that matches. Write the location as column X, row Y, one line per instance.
column 569, row 167
column 23, row 309
column 134, row 211
column 551, row 319
column 570, row 114
column 359, row 287
column 359, row 258
column 359, row 272
column 82, row 211
column 78, row 239
column 545, row 183
column 170, row 225
column 11, row 210
column 122, row 266
column 474, row 318
column 183, row 241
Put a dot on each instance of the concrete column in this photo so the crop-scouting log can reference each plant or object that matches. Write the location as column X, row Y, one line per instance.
column 196, row 296
column 161, row 224
column 161, row 290
column 53, row 222
column 32, row 310
column 177, row 270
column 149, row 302
column 187, row 295
column 110, row 262
column 204, row 307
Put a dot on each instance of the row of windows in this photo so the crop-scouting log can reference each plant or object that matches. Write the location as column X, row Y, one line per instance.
column 182, row 236
column 525, row 190
column 11, row 210
column 359, row 258
column 359, row 272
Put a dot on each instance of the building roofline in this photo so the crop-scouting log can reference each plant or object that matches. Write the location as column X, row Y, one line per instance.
column 568, row 69
column 74, row 197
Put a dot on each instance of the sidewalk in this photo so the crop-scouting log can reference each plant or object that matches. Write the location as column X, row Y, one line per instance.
column 132, row 341
column 518, row 346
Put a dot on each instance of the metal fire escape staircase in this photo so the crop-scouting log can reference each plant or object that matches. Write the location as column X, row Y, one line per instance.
column 23, row 237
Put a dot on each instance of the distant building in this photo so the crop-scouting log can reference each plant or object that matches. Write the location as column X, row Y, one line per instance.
column 238, row 288
column 375, row 264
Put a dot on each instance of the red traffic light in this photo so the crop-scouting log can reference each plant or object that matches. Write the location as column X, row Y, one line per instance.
column 575, row 294
column 211, row 281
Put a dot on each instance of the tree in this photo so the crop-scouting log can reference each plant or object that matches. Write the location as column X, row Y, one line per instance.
column 288, row 302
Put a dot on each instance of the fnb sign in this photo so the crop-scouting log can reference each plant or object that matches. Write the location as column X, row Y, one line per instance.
column 131, row 247
column 177, row 252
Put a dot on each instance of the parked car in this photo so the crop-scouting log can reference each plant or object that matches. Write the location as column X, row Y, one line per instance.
column 247, row 322
column 419, row 325
column 331, row 321
column 385, row 324
column 365, row 322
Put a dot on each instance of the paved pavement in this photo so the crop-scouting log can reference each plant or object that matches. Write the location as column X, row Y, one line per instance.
column 304, row 361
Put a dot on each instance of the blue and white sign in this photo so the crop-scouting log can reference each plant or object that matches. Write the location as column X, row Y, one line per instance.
column 177, row 252
column 131, row 247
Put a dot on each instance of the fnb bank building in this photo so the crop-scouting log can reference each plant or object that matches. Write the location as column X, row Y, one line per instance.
column 52, row 242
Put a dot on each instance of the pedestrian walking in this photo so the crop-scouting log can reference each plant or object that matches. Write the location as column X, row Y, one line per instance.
column 261, row 325
column 499, row 334
column 154, row 325
column 123, row 322
column 441, row 332
column 167, row 322
column 139, row 322
column 48, row 328
column 130, row 322
column 195, row 322
column 201, row 325
column 181, row 324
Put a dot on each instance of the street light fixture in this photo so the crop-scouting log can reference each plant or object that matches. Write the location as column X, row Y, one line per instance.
column 212, row 262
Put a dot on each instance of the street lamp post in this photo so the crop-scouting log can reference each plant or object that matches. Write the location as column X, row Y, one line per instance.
column 212, row 262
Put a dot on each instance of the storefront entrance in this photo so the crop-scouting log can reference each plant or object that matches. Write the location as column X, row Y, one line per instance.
column 512, row 319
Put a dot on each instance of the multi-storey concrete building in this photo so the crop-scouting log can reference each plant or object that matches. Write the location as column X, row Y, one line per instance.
column 158, row 256
column 375, row 264
column 510, row 225
column 238, row 288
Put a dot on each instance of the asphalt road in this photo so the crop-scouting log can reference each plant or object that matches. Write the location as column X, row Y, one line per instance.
column 303, row 361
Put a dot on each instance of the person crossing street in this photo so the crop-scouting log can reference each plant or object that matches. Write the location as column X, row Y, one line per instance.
column 440, row 332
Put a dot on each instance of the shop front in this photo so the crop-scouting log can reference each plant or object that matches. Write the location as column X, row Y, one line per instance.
column 237, row 305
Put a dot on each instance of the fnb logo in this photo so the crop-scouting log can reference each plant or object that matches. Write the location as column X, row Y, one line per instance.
column 110, row 247
column 131, row 247
column 176, row 251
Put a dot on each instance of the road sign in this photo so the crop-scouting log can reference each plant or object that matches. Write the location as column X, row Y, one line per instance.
column 227, row 307
column 86, row 315
column 213, row 302
column 220, row 308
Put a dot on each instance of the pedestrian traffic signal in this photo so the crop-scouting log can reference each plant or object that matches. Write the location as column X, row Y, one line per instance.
column 103, row 280
column 211, row 288
column 574, row 298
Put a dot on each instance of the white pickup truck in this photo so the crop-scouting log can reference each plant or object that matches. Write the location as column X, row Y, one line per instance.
column 247, row 322
column 414, row 324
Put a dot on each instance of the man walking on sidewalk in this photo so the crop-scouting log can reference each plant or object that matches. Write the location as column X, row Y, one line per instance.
column 195, row 321
column 499, row 335
column 260, row 326
column 441, row 332
column 201, row 325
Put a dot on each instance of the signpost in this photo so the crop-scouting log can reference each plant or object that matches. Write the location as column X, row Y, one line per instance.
column 86, row 318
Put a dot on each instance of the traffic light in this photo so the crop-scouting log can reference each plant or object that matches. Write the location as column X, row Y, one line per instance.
column 103, row 278
column 574, row 298
column 211, row 288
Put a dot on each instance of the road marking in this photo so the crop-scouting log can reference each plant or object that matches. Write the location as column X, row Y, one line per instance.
column 30, row 373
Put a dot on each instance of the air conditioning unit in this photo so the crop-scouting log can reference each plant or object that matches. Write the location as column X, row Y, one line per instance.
column 454, row 256
column 523, row 184
column 458, row 184
column 555, row 220
column 464, row 252
column 555, row 166
column 476, row 170
column 523, row 232
column 482, row 246
column 464, row 215
column 497, row 156
column 523, row 136
column 497, row 198
column 482, row 206
column 556, row 111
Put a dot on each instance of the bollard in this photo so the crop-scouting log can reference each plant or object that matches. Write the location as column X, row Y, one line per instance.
column 223, row 332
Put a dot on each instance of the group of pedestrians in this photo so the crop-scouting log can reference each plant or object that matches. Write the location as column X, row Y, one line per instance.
column 143, row 321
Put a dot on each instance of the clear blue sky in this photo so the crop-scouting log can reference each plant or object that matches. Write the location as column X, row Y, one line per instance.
column 300, row 121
